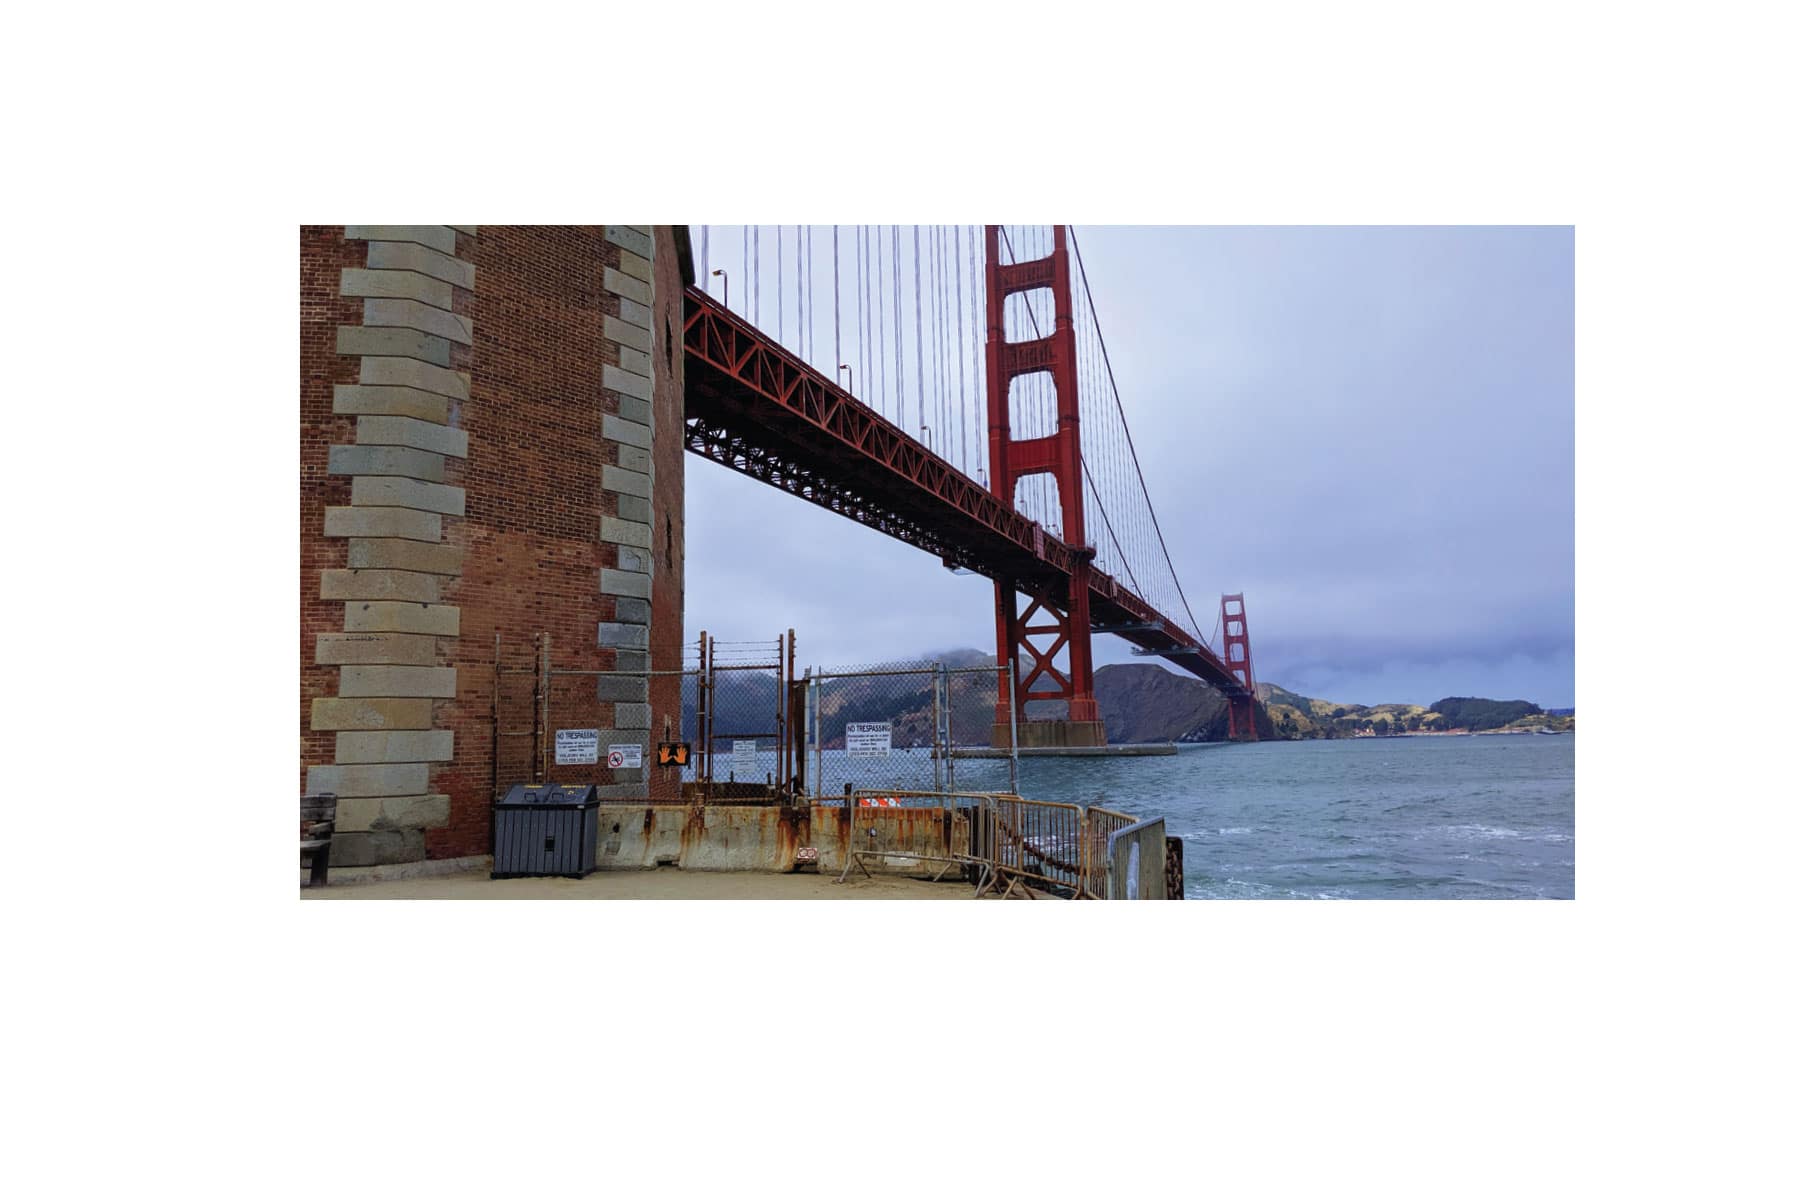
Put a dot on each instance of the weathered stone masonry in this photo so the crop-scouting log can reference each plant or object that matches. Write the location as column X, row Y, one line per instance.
column 387, row 654
column 490, row 445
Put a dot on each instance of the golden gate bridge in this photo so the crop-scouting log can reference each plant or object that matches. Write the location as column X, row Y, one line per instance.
column 950, row 386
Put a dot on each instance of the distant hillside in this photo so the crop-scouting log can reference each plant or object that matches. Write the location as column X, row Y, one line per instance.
column 1140, row 702
column 1296, row 716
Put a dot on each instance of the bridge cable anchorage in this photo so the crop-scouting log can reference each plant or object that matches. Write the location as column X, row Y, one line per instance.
column 1126, row 425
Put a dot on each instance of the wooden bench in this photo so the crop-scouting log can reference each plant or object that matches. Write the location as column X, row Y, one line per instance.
column 318, row 816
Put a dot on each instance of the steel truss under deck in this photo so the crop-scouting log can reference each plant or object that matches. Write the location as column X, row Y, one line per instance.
column 754, row 407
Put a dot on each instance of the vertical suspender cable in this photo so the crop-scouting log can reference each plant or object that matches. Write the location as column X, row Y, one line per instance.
column 861, row 295
column 899, row 341
column 944, row 340
column 881, row 310
column 977, row 340
column 780, row 287
column 936, row 393
column 918, row 330
column 705, row 255
column 867, row 310
column 1126, row 427
column 837, row 328
column 962, row 399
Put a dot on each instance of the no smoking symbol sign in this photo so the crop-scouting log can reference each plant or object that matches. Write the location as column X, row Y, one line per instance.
column 615, row 758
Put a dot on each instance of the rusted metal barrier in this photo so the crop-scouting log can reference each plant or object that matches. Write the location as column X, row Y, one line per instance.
column 1012, row 846
column 866, row 821
column 1022, row 840
column 1101, row 824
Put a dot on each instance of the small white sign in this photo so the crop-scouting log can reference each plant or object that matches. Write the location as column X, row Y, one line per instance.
column 577, row 746
column 743, row 753
column 869, row 739
column 625, row 756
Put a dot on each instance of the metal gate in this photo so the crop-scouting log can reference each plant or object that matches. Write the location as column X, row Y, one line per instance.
column 748, row 721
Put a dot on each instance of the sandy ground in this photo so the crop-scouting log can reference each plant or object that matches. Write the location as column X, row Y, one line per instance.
column 667, row 883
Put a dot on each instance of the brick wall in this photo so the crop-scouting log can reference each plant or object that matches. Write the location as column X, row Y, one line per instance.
column 571, row 504
column 324, row 253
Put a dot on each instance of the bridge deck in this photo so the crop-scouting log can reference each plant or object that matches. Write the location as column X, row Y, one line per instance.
column 758, row 409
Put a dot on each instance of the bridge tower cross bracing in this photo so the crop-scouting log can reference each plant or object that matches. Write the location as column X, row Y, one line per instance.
column 1043, row 630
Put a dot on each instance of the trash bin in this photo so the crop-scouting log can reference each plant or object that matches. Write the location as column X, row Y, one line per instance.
column 546, row 829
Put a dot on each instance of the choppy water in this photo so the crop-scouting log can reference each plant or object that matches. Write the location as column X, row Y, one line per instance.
column 1489, row 817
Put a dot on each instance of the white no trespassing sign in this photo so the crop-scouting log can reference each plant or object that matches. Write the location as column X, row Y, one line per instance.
column 869, row 739
column 744, row 751
column 625, row 756
column 577, row 746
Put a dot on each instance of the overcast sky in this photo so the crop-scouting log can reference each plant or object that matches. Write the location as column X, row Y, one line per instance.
column 1367, row 431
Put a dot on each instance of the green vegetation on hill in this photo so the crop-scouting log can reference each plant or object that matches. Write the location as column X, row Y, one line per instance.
column 1295, row 716
column 1471, row 713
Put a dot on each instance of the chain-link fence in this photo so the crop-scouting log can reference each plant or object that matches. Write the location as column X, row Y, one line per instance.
column 905, row 727
column 566, row 724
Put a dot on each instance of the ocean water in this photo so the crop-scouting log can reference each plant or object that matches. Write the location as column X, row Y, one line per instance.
column 1428, row 818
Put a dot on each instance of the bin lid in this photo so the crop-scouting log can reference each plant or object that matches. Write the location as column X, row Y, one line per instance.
column 553, row 794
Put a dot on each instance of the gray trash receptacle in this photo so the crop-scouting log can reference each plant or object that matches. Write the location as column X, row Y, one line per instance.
column 546, row 829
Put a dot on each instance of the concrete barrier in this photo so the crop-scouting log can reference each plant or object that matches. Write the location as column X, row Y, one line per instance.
column 732, row 837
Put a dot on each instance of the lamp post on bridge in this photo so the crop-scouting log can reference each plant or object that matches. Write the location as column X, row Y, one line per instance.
column 720, row 272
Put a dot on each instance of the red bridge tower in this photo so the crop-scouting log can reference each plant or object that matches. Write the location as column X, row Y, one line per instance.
column 1242, row 709
column 1058, row 455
